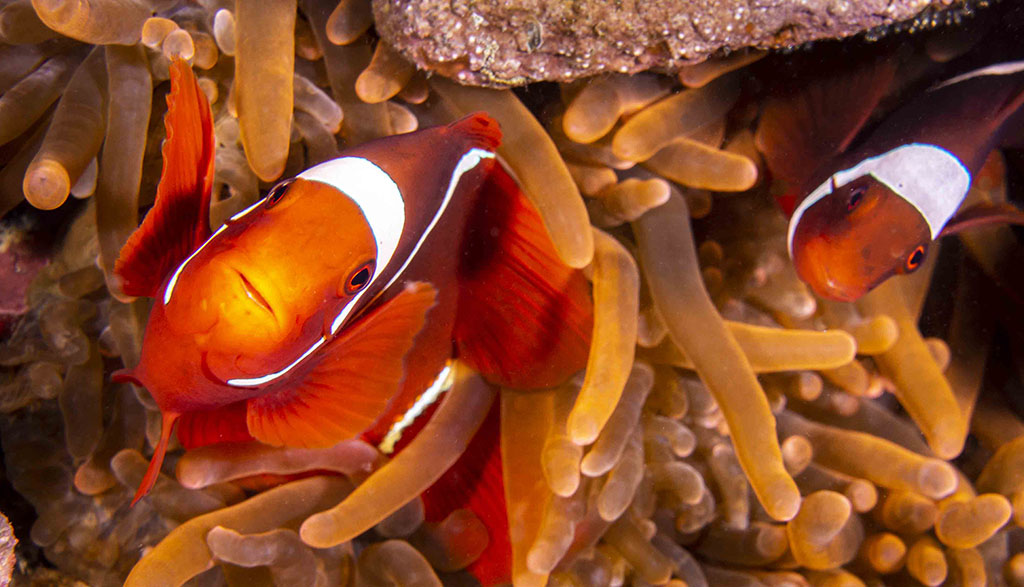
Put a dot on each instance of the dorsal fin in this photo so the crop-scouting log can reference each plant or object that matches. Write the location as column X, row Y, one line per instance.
column 524, row 317
column 803, row 129
column 180, row 218
column 481, row 128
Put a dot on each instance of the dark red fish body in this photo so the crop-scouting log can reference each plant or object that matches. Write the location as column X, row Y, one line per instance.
column 321, row 312
column 869, row 211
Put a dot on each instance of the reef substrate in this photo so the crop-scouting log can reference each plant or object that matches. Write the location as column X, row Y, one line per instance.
column 516, row 42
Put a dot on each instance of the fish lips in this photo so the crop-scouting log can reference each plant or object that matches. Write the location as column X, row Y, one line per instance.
column 815, row 265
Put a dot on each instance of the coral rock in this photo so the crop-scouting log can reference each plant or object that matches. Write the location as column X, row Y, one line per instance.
column 7, row 544
column 514, row 42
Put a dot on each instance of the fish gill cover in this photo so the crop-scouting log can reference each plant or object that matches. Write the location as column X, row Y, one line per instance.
column 729, row 428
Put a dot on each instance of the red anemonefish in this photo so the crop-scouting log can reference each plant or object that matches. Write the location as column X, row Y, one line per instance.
column 871, row 211
column 321, row 312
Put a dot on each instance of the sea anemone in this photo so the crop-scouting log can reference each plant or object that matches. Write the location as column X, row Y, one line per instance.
column 729, row 428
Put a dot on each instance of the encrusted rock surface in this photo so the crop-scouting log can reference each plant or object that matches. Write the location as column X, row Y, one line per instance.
column 514, row 42
column 7, row 544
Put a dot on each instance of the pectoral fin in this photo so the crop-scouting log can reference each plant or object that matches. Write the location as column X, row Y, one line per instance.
column 983, row 214
column 349, row 383
column 179, row 221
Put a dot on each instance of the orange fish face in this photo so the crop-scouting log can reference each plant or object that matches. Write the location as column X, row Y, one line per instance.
column 856, row 237
column 263, row 284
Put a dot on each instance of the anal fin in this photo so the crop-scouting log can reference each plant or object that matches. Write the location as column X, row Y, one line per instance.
column 349, row 383
column 524, row 317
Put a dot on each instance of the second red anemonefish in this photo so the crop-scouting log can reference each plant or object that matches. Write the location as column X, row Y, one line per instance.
column 322, row 311
column 869, row 211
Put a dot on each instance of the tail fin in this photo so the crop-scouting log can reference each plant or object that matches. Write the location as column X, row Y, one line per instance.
column 483, row 130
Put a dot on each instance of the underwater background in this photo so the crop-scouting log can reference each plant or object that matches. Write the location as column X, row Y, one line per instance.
column 730, row 428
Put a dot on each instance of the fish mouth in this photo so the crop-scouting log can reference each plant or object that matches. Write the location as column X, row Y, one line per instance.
column 829, row 287
column 254, row 294
column 814, row 270
column 839, row 294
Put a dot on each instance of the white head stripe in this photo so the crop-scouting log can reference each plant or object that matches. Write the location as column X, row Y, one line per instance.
column 240, row 214
column 253, row 381
column 380, row 200
column 819, row 192
column 177, row 272
column 1007, row 68
column 376, row 194
column 930, row 178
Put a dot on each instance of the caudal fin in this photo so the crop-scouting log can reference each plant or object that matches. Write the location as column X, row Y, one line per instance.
column 524, row 317
column 180, row 219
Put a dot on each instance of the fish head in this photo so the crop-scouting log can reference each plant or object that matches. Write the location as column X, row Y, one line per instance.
column 856, row 237
column 257, row 291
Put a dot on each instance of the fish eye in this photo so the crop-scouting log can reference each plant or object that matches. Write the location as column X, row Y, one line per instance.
column 915, row 258
column 277, row 192
column 359, row 278
column 855, row 197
